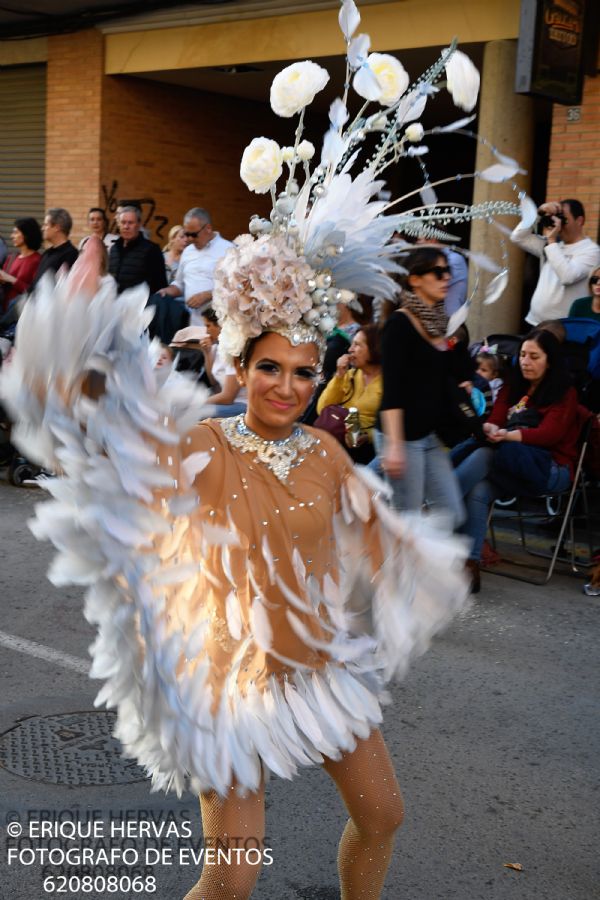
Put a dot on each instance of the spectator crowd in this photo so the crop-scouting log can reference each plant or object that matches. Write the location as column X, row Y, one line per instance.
column 453, row 425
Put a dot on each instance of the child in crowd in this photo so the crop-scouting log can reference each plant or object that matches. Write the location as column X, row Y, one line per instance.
column 488, row 366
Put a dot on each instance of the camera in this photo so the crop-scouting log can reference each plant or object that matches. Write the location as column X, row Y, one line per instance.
column 548, row 221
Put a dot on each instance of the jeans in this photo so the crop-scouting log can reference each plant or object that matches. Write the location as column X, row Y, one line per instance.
column 429, row 478
column 479, row 491
column 226, row 410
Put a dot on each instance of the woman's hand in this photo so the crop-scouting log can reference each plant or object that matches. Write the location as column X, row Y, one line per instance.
column 342, row 365
column 393, row 459
column 6, row 278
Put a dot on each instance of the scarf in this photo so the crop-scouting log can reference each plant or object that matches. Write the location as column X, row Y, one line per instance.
column 433, row 318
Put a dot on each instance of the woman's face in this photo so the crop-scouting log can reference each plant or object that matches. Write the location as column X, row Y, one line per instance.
column 432, row 286
column 212, row 329
column 17, row 237
column 359, row 351
column 595, row 289
column 180, row 241
column 533, row 362
column 280, row 380
column 96, row 223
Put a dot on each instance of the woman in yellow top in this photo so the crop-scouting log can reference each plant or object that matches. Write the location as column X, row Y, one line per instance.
column 357, row 382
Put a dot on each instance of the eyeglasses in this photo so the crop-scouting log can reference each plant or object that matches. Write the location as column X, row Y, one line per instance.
column 438, row 271
column 194, row 234
column 594, row 279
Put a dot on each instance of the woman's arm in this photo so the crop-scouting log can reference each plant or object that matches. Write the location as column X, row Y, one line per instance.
column 557, row 422
column 337, row 390
column 393, row 458
column 229, row 391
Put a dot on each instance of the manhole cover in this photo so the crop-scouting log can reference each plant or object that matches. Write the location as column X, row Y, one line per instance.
column 71, row 748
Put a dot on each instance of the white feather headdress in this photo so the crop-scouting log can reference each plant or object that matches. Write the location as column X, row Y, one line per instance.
column 330, row 239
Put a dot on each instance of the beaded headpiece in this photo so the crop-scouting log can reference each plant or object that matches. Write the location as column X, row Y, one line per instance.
column 330, row 238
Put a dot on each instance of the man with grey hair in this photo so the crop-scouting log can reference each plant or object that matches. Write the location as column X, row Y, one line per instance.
column 195, row 273
column 60, row 251
column 133, row 259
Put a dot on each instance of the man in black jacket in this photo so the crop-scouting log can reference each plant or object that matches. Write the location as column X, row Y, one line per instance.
column 133, row 258
column 60, row 252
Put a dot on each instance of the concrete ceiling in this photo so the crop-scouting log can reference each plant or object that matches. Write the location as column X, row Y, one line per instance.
column 42, row 17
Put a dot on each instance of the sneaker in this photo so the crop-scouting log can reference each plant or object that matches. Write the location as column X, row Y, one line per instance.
column 591, row 590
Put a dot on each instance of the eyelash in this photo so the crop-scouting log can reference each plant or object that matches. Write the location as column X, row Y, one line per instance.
column 272, row 369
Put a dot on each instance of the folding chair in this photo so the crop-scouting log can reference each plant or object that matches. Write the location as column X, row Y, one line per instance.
column 576, row 495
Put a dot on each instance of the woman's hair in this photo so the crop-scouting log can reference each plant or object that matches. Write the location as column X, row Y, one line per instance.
column 98, row 209
column 31, row 231
column 173, row 232
column 555, row 382
column 484, row 356
column 555, row 327
column 595, row 271
column 373, row 338
column 104, row 260
column 420, row 261
column 210, row 315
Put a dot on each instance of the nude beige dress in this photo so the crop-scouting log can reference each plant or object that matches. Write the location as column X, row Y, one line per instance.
column 252, row 598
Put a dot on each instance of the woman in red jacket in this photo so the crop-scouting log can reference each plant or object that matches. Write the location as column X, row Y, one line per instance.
column 531, row 441
column 19, row 270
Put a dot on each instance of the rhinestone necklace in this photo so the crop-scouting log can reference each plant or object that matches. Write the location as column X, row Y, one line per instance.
column 278, row 456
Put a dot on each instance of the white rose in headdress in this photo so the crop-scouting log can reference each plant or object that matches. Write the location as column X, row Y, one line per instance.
column 261, row 165
column 295, row 87
column 306, row 151
column 391, row 76
column 415, row 132
column 462, row 80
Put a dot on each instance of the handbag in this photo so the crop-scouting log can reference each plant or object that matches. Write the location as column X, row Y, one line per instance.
column 333, row 419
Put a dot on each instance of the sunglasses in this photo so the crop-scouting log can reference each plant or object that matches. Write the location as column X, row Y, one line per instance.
column 194, row 234
column 594, row 279
column 438, row 271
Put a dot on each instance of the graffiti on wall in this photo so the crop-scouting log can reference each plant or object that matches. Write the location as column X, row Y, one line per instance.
column 151, row 220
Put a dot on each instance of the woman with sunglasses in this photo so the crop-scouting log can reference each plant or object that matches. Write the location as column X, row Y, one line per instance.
column 588, row 307
column 416, row 371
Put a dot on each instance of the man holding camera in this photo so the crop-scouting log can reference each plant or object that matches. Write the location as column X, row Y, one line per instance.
column 567, row 255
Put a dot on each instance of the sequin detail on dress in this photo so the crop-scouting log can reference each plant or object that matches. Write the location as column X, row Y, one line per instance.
column 278, row 456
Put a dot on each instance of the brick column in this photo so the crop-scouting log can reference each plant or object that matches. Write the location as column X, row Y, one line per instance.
column 74, row 103
column 574, row 169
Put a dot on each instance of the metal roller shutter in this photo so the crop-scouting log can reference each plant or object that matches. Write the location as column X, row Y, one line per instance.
column 22, row 144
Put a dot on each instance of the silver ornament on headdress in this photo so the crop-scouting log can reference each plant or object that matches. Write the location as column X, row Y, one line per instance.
column 338, row 226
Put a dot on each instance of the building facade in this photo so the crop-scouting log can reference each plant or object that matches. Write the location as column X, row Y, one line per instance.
column 159, row 108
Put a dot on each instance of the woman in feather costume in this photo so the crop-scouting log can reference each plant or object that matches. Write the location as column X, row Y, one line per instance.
column 252, row 590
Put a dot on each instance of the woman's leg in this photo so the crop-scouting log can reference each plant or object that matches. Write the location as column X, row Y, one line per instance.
column 474, row 468
column 367, row 783
column 408, row 491
column 231, row 823
column 478, row 502
column 442, row 490
column 227, row 410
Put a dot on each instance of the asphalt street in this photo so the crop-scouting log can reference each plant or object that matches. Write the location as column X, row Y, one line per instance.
column 494, row 734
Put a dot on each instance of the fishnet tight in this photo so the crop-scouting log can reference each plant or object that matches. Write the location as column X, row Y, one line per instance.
column 367, row 783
